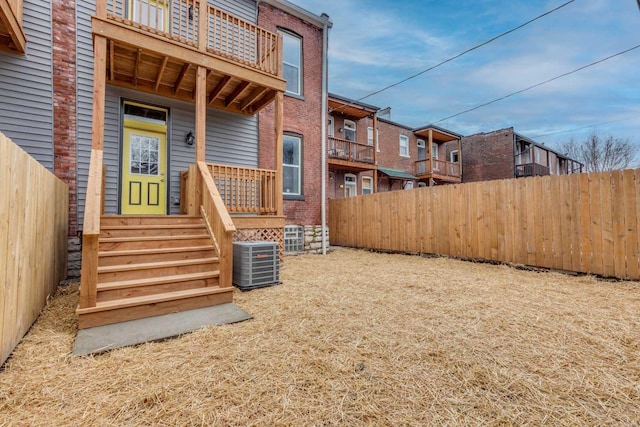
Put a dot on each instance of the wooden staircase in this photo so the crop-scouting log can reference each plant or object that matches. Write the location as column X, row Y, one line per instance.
column 153, row 265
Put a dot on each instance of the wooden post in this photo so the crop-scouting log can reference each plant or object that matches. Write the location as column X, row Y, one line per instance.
column 99, row 82
column 430, row 156
column 460, row 157
column 375, row 152
column 279, row 66
column 201, row 113
column 101, row 8
column 278, row 129
column 203, row 25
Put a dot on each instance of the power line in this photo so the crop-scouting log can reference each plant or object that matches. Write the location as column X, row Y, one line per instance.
column 584, row 127
column 537, row 84
column 458, row 55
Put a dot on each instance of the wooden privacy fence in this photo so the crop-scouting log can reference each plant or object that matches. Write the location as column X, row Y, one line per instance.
column 33, row 241
column 584, row 222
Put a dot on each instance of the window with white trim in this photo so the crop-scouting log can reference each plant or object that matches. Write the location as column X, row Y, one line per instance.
column 292, row 62
column 350, row 185
column 404, row 146
column 330, row 128
column 349, row 130
column 370, row 137
column 408, row 185
column 367, row 185
column 292, row 165
column 434, row 150
column 453, row 156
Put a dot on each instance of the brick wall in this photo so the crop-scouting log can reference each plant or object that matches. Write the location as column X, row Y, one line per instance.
column 301, row 115
column 487, row 156
column 64, row 100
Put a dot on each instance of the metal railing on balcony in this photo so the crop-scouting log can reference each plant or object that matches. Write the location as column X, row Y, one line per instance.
column 178, row 20
column 246, row 190
column 350, row 150
column 440, row 167
column 531, row 169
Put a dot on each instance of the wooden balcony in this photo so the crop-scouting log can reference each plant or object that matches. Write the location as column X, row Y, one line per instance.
column 350, row 155
column 12, row 36
column 158, row 46
column 439, row 170
column 531, row 169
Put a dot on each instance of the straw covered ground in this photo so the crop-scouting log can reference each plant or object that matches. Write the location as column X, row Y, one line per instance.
column 357, row 338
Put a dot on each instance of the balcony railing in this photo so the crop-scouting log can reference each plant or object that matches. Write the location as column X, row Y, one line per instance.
column 178, row 20
column 440, row 167
column 531, row 169
column 350, row 150
column 246, row 190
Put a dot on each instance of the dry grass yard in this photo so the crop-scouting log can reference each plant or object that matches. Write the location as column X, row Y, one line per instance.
column 357, row 338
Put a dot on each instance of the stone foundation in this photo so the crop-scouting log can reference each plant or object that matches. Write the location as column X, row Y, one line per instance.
column 313, row 239
column 74, row 260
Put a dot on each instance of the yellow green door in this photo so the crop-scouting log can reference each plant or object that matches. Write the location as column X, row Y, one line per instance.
column 144, row 164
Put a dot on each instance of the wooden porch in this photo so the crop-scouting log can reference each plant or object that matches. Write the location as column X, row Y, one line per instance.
column 350, row 155
column 143, row 266
column 433, row 168
column 12, row 38
column 438, row 170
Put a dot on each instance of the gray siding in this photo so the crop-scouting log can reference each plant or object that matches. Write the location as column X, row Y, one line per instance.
column 26, row 87
column 231, row 138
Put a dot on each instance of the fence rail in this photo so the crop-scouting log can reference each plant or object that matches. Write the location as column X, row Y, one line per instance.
column 33, row 241
column 583, row 222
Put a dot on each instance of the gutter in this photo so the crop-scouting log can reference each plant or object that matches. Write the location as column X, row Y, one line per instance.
column 323, row 155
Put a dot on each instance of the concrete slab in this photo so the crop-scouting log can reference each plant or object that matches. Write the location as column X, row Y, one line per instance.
column 132, row 332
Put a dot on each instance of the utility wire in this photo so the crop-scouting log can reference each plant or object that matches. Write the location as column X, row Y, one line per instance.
column 458, row 55
column 584, row 127
column 538, row 84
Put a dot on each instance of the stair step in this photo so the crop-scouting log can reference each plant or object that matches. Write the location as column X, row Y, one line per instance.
column 109, row 220
column 143, row 230
column 120, row 310
column 157, row 242
column 155, row 269
column 156, row 285
column 135, row 256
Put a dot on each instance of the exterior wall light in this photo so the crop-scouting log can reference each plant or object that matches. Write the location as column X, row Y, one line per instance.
column 189, row 139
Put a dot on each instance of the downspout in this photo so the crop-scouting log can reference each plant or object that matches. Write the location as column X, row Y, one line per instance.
column 323, row 156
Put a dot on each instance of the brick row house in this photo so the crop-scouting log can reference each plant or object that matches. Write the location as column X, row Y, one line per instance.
column 503, row 154
column 177, row 125
column 403, row 157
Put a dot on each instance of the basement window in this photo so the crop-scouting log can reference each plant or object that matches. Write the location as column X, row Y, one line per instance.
column 293, row 239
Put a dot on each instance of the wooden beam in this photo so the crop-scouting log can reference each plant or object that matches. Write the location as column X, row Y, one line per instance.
column 99, row 83
column 181, row 77
column 219, row 88
column 14, row 26
column 266, row 99
column 278, row 130
column 136, row 67
column 112, row 61
column 161, row 71
column 263, row 221
column 236, row 93
column 162, row 46
column 201, row 113
column 253, row 97
column 203, row 25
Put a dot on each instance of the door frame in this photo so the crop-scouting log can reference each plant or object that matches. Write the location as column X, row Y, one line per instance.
column 124, row 101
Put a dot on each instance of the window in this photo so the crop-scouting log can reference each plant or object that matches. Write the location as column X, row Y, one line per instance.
column 292, row 62
column 349, row 130
column 434, row 150
column 453, row 156
column 150, row 13
column 330, row 128
column 370, row 137
column 367, row 185
column 293, row 239
column 404, row 146
column 350, row 186
column 292, row 165
column 408, row 185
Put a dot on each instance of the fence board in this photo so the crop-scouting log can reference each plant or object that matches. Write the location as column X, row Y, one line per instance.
column 33, row 241
column 587, row 223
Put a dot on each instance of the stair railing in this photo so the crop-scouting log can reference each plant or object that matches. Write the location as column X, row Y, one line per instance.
column 219, row 222
column 94, row 206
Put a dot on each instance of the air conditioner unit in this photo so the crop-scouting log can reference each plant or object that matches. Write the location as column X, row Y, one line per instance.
column 255, row 264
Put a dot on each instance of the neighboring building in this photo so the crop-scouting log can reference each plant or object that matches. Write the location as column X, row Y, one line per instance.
column 121, row 98
column 403, row 157
column 505, row 154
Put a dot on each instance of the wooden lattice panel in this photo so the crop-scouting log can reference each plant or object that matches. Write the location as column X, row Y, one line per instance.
column 270, row 234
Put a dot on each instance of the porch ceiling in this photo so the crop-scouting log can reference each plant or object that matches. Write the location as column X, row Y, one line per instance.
column 438, row 135
column 143, row 62
column 354, row 111
column 12, row 37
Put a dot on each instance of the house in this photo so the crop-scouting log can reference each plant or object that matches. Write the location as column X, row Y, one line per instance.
column 167, row 120
column 503, row 154
column 403, row 157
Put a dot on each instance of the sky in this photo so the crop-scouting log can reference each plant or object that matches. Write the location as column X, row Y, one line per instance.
column 375, row 43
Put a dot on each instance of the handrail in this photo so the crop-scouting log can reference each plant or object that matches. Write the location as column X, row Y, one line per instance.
column 91, row 231
column 246, row 190
column 218, row 218
column 350, row 150
column 440, row 167
column 221, row 33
